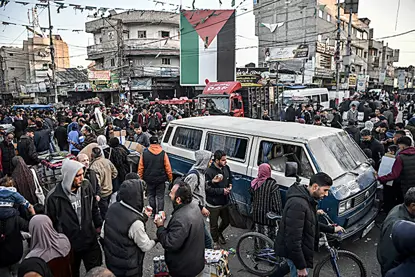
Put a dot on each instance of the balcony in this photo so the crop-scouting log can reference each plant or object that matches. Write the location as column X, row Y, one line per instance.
column 156, row 71
column 141, row 46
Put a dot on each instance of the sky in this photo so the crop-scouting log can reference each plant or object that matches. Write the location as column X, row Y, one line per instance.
column 381, row 12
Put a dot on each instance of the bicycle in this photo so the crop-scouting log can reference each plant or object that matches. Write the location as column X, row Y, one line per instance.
column 332, row 265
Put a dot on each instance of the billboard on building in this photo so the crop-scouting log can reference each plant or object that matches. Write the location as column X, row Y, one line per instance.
column 207, row 46
column 99, row 75
column 275, row 54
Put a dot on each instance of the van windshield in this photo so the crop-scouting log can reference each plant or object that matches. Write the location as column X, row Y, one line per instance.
column 344, row 155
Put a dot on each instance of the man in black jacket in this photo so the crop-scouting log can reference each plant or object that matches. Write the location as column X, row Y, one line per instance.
column 299, row 230
column 353, row 131
column 290, row 113
column 184, row 238
column 7, row 154
column 42, row 138
column 337, row 119
column 26, row 148
column 74, row 211
column 61, row 135
column 218, row 188
column 368, row 141
column 388, row 256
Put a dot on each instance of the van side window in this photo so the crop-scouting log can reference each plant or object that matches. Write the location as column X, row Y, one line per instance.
column 316, row 98
column 324, row 97
column 187, row 138
column 168, row 134
column 277, row 154
column 234, row 147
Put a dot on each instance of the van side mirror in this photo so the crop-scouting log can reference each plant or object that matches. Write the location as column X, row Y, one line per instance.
column 291, row 169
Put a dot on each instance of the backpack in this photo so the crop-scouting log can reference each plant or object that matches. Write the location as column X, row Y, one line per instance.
column 182, row 178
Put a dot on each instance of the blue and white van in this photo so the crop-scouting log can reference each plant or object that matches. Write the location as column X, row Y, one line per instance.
column 250, row 142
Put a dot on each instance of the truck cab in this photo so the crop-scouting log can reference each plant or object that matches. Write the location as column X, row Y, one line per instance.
column 221, row 98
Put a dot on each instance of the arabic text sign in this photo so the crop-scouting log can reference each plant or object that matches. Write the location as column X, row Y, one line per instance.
column 287, row 53
column 99, row 75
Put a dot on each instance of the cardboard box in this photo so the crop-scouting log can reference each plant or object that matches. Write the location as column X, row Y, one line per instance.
column 134, row 146
column 120, row 135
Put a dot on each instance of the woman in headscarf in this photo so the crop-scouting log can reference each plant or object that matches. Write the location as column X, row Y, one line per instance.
column 369, row 125
column 24, row 180
column 102, row 142
column 52, row 247
column 265, row 198
column 118, row 155
column 34, row 265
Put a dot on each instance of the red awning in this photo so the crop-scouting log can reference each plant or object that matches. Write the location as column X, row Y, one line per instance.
column 221, row 87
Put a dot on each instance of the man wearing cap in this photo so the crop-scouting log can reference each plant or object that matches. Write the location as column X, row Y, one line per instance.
column 369, row 142
column 404, row 166
column 155, row 170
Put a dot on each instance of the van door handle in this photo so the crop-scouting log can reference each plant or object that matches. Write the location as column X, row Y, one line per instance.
column 237, row 177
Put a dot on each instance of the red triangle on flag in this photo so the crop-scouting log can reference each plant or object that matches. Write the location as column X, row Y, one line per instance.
column 208, row 23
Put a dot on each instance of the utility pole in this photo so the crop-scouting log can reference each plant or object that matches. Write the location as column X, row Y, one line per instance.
column 349, row 45
column 303, row 11
column 337, row 56
column 52, row 55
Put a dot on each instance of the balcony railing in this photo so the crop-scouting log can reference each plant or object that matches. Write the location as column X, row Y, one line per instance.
column 156, row 71
column 135, row 44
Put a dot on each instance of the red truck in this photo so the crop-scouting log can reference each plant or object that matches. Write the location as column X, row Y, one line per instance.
column 231, row 98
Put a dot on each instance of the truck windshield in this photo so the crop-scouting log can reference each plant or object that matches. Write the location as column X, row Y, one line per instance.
column 344, row 155
column 215, row 105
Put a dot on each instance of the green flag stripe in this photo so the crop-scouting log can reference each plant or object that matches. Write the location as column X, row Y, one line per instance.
column 189, row 53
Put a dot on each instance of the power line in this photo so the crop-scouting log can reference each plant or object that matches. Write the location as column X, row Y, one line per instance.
column 397, row 35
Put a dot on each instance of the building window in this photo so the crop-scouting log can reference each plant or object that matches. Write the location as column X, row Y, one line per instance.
column 320, row 13
column 11, row 54
column 319, row 38
column 165, row 61
column 365, row 55
column 11, row 68
column 365, row 36
column 100, row 40
column 359, row 52
column 328, row 18
column 112, row 62
column 142, row 34
column 164, row 34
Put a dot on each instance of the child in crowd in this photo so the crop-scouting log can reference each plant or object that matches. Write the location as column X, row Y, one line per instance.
column 9, row 197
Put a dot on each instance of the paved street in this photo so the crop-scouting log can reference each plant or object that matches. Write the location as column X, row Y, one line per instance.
column 365, row 249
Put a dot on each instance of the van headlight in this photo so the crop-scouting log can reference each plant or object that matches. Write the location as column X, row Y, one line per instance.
column 345, row 205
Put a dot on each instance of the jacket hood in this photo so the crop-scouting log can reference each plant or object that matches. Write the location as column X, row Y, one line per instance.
column 403, row 237
column 299, row 191
column 69, row 170
column 202, row 160
column 408, row 151
column 155, row 149
column 131, row 193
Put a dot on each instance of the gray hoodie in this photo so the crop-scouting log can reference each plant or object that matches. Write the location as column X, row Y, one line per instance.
column 69, row 170
column 198, row 189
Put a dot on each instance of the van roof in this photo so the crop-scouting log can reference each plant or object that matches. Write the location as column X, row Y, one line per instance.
column 285, row 130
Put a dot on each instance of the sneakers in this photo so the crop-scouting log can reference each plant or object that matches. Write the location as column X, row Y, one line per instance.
column 222, row 239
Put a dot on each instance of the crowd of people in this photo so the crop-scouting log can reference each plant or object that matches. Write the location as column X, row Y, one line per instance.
column 98, row 208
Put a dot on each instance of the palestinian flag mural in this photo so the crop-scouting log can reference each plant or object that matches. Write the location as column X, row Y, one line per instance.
column 207, row 46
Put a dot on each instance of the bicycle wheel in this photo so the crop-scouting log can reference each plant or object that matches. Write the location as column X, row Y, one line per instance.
column 256, row 253
column 348, row 263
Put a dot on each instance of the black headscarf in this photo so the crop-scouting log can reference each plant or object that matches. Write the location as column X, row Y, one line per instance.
column 34, row 265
